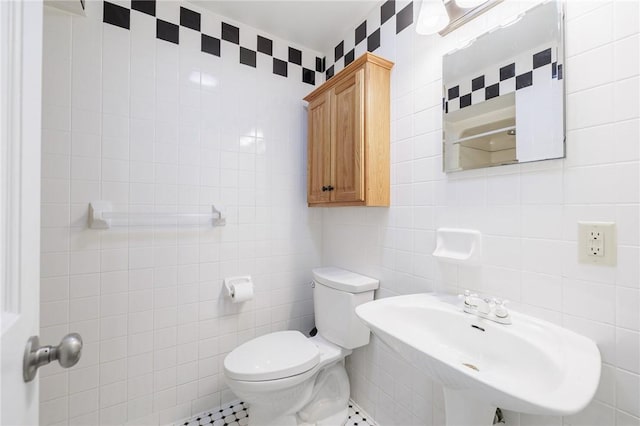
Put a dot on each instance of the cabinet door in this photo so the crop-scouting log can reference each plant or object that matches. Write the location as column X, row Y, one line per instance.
column 319, row 151
column 347, row 141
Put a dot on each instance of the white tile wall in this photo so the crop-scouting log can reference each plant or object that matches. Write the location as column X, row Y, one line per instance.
column 152, row 125
column 527, row 213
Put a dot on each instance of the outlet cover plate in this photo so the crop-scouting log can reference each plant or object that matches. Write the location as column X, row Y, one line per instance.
column 606, row 232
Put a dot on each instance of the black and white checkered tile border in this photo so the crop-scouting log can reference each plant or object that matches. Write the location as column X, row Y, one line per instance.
column 364, row 33
column 236, row 414
column 121, row 17
column 483, row 89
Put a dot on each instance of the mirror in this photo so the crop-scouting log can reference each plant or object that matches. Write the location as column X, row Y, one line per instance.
column 503, row 96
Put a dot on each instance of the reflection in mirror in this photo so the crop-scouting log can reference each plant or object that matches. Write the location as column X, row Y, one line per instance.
column 503, row 94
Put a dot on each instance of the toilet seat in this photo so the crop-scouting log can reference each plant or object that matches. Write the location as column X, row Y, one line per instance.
column 271, row 357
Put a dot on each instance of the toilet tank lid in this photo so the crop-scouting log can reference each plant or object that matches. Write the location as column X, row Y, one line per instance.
column 344, row 280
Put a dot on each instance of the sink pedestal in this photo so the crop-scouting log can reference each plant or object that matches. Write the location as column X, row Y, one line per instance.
column 463, row 410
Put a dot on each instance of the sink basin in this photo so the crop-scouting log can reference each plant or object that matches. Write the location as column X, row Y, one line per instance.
column 530, row 366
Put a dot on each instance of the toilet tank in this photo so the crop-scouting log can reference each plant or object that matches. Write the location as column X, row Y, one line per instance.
column 336, row 294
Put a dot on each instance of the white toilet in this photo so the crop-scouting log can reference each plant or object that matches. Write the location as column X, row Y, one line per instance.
column 288, row 379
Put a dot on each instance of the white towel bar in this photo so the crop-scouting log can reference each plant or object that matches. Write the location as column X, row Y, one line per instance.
column 102, row 216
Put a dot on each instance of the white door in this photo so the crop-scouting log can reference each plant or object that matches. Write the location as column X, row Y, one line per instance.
column 20, row 112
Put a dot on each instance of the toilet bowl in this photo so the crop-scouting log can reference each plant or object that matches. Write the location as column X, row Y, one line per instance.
column 288, row 379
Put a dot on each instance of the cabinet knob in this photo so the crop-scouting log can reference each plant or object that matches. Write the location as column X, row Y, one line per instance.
column 324, row 188
column 330, row 188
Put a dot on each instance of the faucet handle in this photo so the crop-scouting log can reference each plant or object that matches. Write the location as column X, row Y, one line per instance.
column 500, row 309
column 465, row 295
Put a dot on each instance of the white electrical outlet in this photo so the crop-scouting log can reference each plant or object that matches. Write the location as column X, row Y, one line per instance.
column 597, row 243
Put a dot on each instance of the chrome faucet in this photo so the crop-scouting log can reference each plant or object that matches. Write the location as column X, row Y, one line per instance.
column 489, row 308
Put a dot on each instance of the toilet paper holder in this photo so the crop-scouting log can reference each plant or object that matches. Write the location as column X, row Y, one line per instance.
column 231, row 282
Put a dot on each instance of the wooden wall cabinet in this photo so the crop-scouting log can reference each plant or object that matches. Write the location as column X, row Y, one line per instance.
column 348, row 136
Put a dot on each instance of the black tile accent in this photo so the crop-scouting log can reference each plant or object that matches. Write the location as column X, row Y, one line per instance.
column 492, row 91
column 542, row 58
column 167, row 31
column 247, row 57
column 404, row 18
column 280, row 67
column 453, row 92
column 373, row 41
column 507, row 71
column 524, row 80
column 554, row 70
column 319, row 64
column 387, row 10
column 324, row 63
column 477, row 83
column 560, row 71
column 465, row 100
column 361, row 32
column 189, row 18
column 230, row 33
column 210, row 45
column 308, row 76
column 144, row 6
column 295, row 56
column 329, row 72
column 338, row 51
column 349, row 57
column 265, row 45
column 116, row 15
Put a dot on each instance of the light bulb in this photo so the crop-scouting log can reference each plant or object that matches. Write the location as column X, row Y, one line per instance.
column 469, row 4
column 432, row 18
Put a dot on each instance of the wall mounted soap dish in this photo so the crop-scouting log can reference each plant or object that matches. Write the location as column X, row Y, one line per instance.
column 456, row 245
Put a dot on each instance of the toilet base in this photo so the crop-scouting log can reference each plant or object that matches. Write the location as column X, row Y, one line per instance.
column 336, row 419
column 257, row 420
column 321, row 401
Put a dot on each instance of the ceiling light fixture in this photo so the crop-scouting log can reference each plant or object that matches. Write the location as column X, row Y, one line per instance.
column 432, row 18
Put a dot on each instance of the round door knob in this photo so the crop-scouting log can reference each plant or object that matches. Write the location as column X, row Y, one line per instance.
column 69, row 350
column 35, row 356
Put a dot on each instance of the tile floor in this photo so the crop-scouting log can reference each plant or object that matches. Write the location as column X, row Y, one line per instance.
column 358, row 417
column 236, row 414
column 232, row 414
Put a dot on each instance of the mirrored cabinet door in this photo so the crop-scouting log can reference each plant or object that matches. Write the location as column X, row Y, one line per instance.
column 503, row 94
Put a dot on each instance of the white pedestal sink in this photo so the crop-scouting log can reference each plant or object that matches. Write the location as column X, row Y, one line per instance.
column 530, row 366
